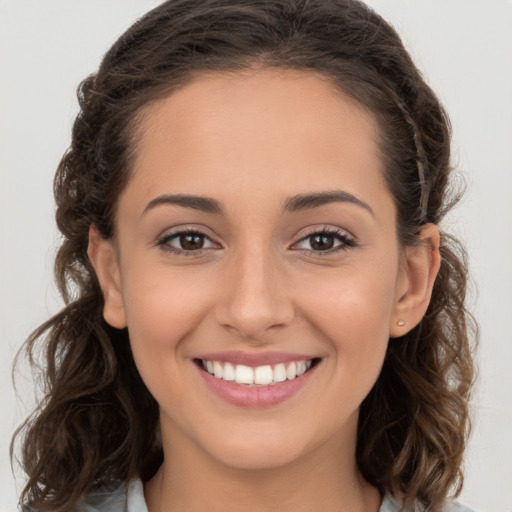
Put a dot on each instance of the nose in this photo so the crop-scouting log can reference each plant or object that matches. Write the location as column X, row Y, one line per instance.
column 254, row 296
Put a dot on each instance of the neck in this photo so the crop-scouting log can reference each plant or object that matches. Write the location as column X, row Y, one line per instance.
column 325, row 479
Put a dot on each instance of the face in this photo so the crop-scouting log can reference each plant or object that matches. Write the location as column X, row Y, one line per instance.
column 256, row 266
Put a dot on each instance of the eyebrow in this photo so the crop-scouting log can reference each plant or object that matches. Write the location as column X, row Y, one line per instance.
column 203, row 204
column 293, row 204
column 317, row 199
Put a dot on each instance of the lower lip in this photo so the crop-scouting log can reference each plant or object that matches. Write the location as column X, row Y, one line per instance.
column 255, row 396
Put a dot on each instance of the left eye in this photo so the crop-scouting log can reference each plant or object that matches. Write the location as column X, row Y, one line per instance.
column 325, row 241
column 189, row 241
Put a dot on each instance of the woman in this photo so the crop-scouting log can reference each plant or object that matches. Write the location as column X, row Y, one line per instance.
column 262, row 312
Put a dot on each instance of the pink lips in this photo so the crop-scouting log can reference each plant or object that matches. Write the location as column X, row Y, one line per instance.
column 255, row 396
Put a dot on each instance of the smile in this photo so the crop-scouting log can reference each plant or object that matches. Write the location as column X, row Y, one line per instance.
column 253, row 380
column 265, row 375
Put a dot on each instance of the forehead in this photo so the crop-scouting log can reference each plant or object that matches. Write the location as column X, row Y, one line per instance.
column 270, row 130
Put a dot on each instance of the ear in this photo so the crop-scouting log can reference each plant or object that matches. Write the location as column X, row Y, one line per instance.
column 102, row 255
column 419, row 267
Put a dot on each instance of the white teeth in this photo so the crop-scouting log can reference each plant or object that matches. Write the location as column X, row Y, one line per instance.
column 279, row 373
column 229, row 372
column 218, row 370
column 244, row 374
column 261, row 375
column 291, row 371
column 301, row 368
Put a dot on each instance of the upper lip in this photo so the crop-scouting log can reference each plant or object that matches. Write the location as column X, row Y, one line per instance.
column 254, row 359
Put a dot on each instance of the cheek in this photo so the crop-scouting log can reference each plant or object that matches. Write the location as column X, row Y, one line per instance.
column 353, row 300
column 352, row 312
column 162, row 308
column 353, row 324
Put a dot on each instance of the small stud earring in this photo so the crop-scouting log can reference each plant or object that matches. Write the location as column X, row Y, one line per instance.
column 400, row 323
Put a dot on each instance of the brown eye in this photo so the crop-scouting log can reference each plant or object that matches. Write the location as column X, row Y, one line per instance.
column 191, row 242
column 322, row 242
column 326, row 241
column 186, row 242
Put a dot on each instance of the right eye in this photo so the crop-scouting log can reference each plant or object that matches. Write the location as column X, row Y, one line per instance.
column 186, row 242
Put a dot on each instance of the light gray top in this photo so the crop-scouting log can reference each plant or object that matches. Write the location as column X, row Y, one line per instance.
column 130, row 498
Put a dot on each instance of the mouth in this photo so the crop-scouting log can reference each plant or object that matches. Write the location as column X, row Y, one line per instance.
column 256, row 376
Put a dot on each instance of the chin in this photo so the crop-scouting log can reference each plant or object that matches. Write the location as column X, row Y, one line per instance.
column 253, row 457
column 262, row 448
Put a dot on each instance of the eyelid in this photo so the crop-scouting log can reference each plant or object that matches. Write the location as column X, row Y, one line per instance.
column 163, row 240
column 347, row 240
column 188, row 228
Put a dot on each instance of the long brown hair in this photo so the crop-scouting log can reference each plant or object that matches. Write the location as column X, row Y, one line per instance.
column 97, row 422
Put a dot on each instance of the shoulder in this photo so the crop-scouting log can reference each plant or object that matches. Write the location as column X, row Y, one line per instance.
column 120, row 497
column 390, row 504
column 457, row 507
column 130, row 498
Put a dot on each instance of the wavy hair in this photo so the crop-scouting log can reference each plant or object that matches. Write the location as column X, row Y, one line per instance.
column 96, row 422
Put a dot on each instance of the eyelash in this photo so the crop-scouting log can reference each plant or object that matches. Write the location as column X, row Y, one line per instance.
column 347, row 242
column 164, row 242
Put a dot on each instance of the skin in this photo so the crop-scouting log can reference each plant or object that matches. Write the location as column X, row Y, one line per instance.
column 252, row 141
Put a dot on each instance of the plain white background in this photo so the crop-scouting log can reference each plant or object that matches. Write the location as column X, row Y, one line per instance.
column 464, row 48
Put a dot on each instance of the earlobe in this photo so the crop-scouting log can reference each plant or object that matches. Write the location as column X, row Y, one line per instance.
column 420, row 266
column 102, row 255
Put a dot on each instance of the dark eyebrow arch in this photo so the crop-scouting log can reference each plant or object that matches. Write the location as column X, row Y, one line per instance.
column 317, row 199
column 203, row 204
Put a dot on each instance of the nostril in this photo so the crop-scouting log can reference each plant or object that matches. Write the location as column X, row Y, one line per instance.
column 252, row 302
